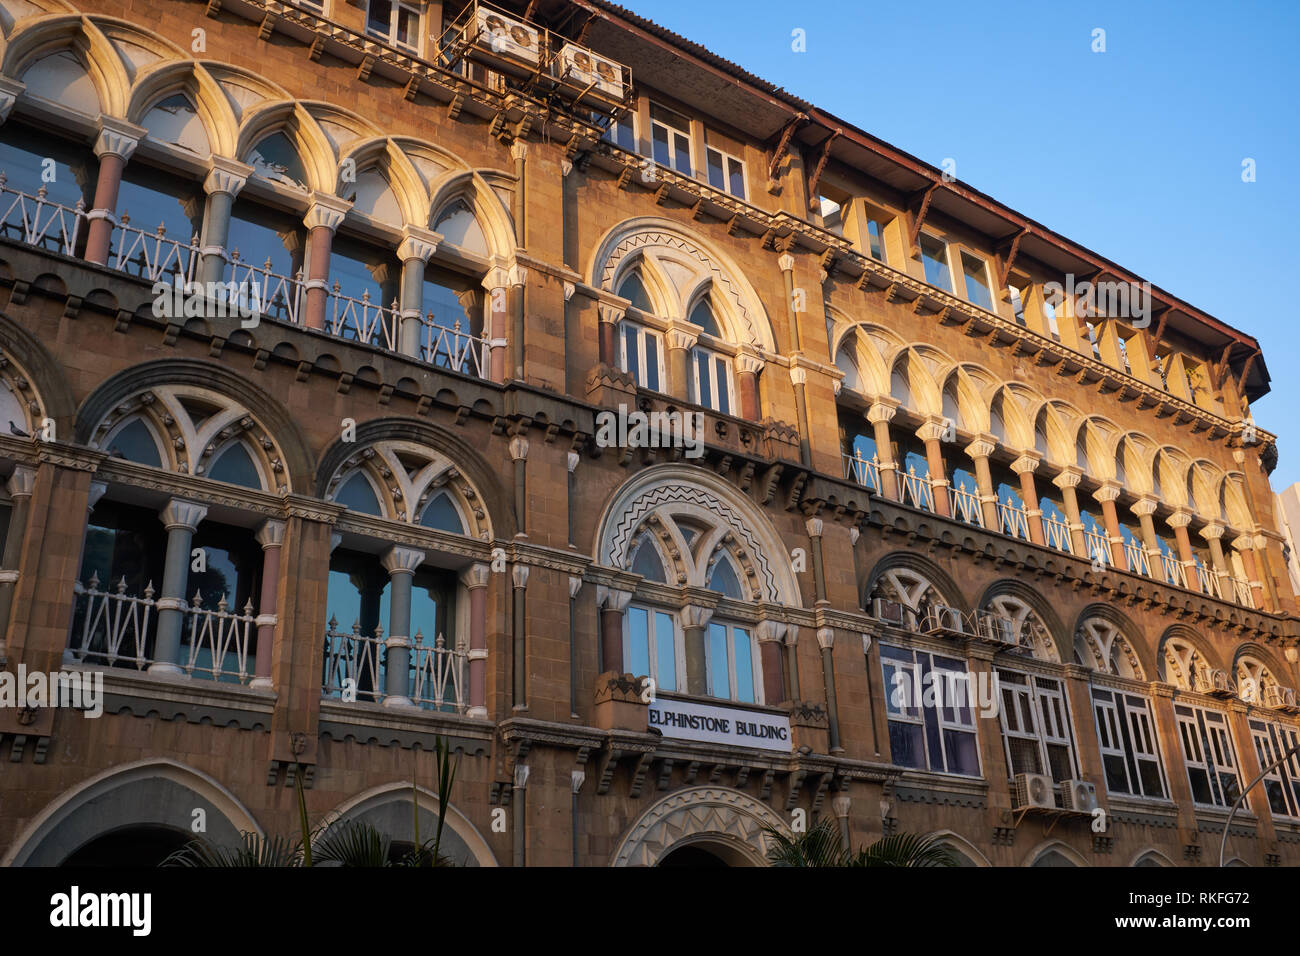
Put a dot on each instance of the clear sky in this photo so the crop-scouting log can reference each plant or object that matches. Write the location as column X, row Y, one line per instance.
column 1135, row 153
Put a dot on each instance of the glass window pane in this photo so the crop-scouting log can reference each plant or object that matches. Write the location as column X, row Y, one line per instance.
column 665, row 651
column 234, row 466
column 875, row 240
column 630, row 358
column 906, row 744
column 682, row 158
column 935, row 259
column 977, row 289
column 719, row 682
column 661, row 154
column 744, row 664
column 705, row 393
column 716, row 178
column 652, row 363
column 736, row 178
column 135, row 443
column 380, row 16
column 963, row 752
column 724, row 398
column 638, row 657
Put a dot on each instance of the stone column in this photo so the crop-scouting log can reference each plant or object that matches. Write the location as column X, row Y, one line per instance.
column 400, row 563
column 1144, row 508
column 1213, row 535
column 770, row 634
column 416, row 247
column 679, row 340
column 880, row 414
column 575, row 585
column 222, row 185
column 21, row 484
column 826, row 640
column 271, row 537
column 1106, row 493
column 1068, row 482
column 1024, row 467
column 117, row 141
column 519, row 638
column 1244, row 545
column 519, row 456
column 841, row 805
column 1179, row 521
column 1261, row 562
column 931, row 433
column 518, row 304
column 815, row 526
column 979, row 451
column 748, row 365
column 475, row 579
column 612, row 603
column 181, row 519
column 497, row 284
column 322, row 219
column 695, row 621
column 610, row 317
column 798, row 376
column 95, row 491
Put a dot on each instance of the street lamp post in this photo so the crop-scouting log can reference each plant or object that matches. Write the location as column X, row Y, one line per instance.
column 1223, row 844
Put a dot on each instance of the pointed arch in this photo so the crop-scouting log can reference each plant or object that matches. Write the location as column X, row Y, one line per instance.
column 1108, row 642
column 1037, row 628
column 304, row 134
column 388, row 809
column 491, row 216
column 190, row 79
column 1181, row 652
column 386, row 187
column 74, row 36
column 915, row 582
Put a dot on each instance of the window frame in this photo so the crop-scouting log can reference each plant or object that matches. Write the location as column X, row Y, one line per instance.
column 756, row 675
column 652, row 649
column 656, row 122
column 1193, row 718
column 394, row 18
column 1118, row 716
column 1028, row 691
column 714, row 359
column 1277, row 739
column 726, row 172
column 641, row 376
column 983, row 263
column 914, row 715
column 921, row 240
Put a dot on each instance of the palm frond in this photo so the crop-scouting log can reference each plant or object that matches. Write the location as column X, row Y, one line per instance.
column 819, row 846
column 903, row 849
column 353, row 844
column 252, row 851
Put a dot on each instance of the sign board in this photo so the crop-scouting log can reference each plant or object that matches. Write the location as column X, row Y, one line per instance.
column 720, row 725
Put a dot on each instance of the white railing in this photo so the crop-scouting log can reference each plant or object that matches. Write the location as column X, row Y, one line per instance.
column 1174, row 571
column 219, row 641
column 865, row 473
column 356, row 669
column 966, row 506
column 362, row 320
column 118, row 630
column 1136, row 556
column 917, row 490
column 38, row 222
column 450, row 348
column 1242, row 591
column 1013, row 520
column 1207, row 580
column 265, row 292
column 1098, row 547
column 152, row 256
column 1057, row 534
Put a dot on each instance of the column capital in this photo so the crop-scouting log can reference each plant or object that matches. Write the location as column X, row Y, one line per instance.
column 1107, row 491
column 815, row 527
column 1068, row 477
column 1145, row 505
column 747, row 361
column 325, row 210
column 612, row 599
column 519, row 575
column 682, row 334
column 786, row 262
column 1261, row 542
column 519, row 150
column 521, row 776
column 10, row 90
column 611, row 314
column 518, row 448
column 475, row 576
column 931, row 430
column 1212, row 531
column 576, row 779
column 1244, row 542
column 771, row 632
column 1181, row 518
column 572, row 460
column 518, row 274
column 271, row 533
column 118, row 137
column 398, row 560
column 1027, row 462
column 792, row 635
column 180, row 513
column 981, row 447
column 695, row 615
column 826, row 637
column 418, row 244
column 575, row 585
column 798, row 375
column 497, row 277
column 882, row 410
column 23, row 481
column 226, row 176
column 841, row 805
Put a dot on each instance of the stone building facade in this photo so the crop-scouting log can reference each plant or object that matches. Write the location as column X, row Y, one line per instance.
column 313, row 319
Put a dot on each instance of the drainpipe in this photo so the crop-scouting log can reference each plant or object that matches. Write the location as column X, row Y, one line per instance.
column 518, row 806
column 576, row 780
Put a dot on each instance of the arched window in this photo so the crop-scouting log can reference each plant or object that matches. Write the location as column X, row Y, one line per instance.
column 641, row 349
column 357, row 494
column 135, row 441
column 174, row 120
column 633, row 289
column 458, row 226
column 234, row 465
column 908, row 589
column 1100, row 645
column 440, row 513
column 702, row 315
column 723, row 579
column 646, row 561
column 276, row 159
column 62, row 78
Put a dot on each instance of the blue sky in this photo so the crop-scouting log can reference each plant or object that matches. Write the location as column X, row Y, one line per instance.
column 1136, row 153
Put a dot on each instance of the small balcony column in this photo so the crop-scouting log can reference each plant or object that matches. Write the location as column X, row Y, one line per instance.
column 224, row 181
column 816, row 527
column 21, row 485
column 770, row 635
column 1244, row 545
column 1213, row 535
column 1068, row 482
column 880, row 414
column 826, row 640
column 979, row 451
column 271, row 537
column 497, row 285
column 519, row 635
column 1106, row 494
column 475, row 580
column 1179, row 521
column 1144, row 508
column 792, row 661
column 610, row 317
column 518, row 327
column 679, row 341
column 322, row 221
column 1024, row 467
column 181, row 519
column 117, row 141
column 400, row 563
column 415, row 250
column 748, row 365
column 612, row 604
column 931, row 432
column 695, row 621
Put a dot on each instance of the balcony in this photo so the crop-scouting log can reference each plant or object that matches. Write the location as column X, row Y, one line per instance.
column 251, row 289
column 356, row 669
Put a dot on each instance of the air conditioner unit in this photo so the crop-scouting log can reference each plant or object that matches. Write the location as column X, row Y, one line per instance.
column 1222, row 683
column 1034, row 790
column 503, row 42
column 890, row 612
column 1079, row 795
column 1210, row 680
column 579, row 70
column 944, row 620
column 995, row 629
column 1288, row 698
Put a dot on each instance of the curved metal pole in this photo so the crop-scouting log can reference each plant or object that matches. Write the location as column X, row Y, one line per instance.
column 1223, row 844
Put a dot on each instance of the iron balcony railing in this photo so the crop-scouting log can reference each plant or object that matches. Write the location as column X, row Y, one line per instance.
column 356, row 669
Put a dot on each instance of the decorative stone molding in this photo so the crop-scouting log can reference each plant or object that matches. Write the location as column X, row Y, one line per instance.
column 519, row 575
column 575, row 585
column 826, row 637
column 326, row 210
column 226, row 176
column 518, row 448
column 815, row 527
column 569, row 289
column 118, row 137
column 785, row 262
column 723, row 815
column 22, row 482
